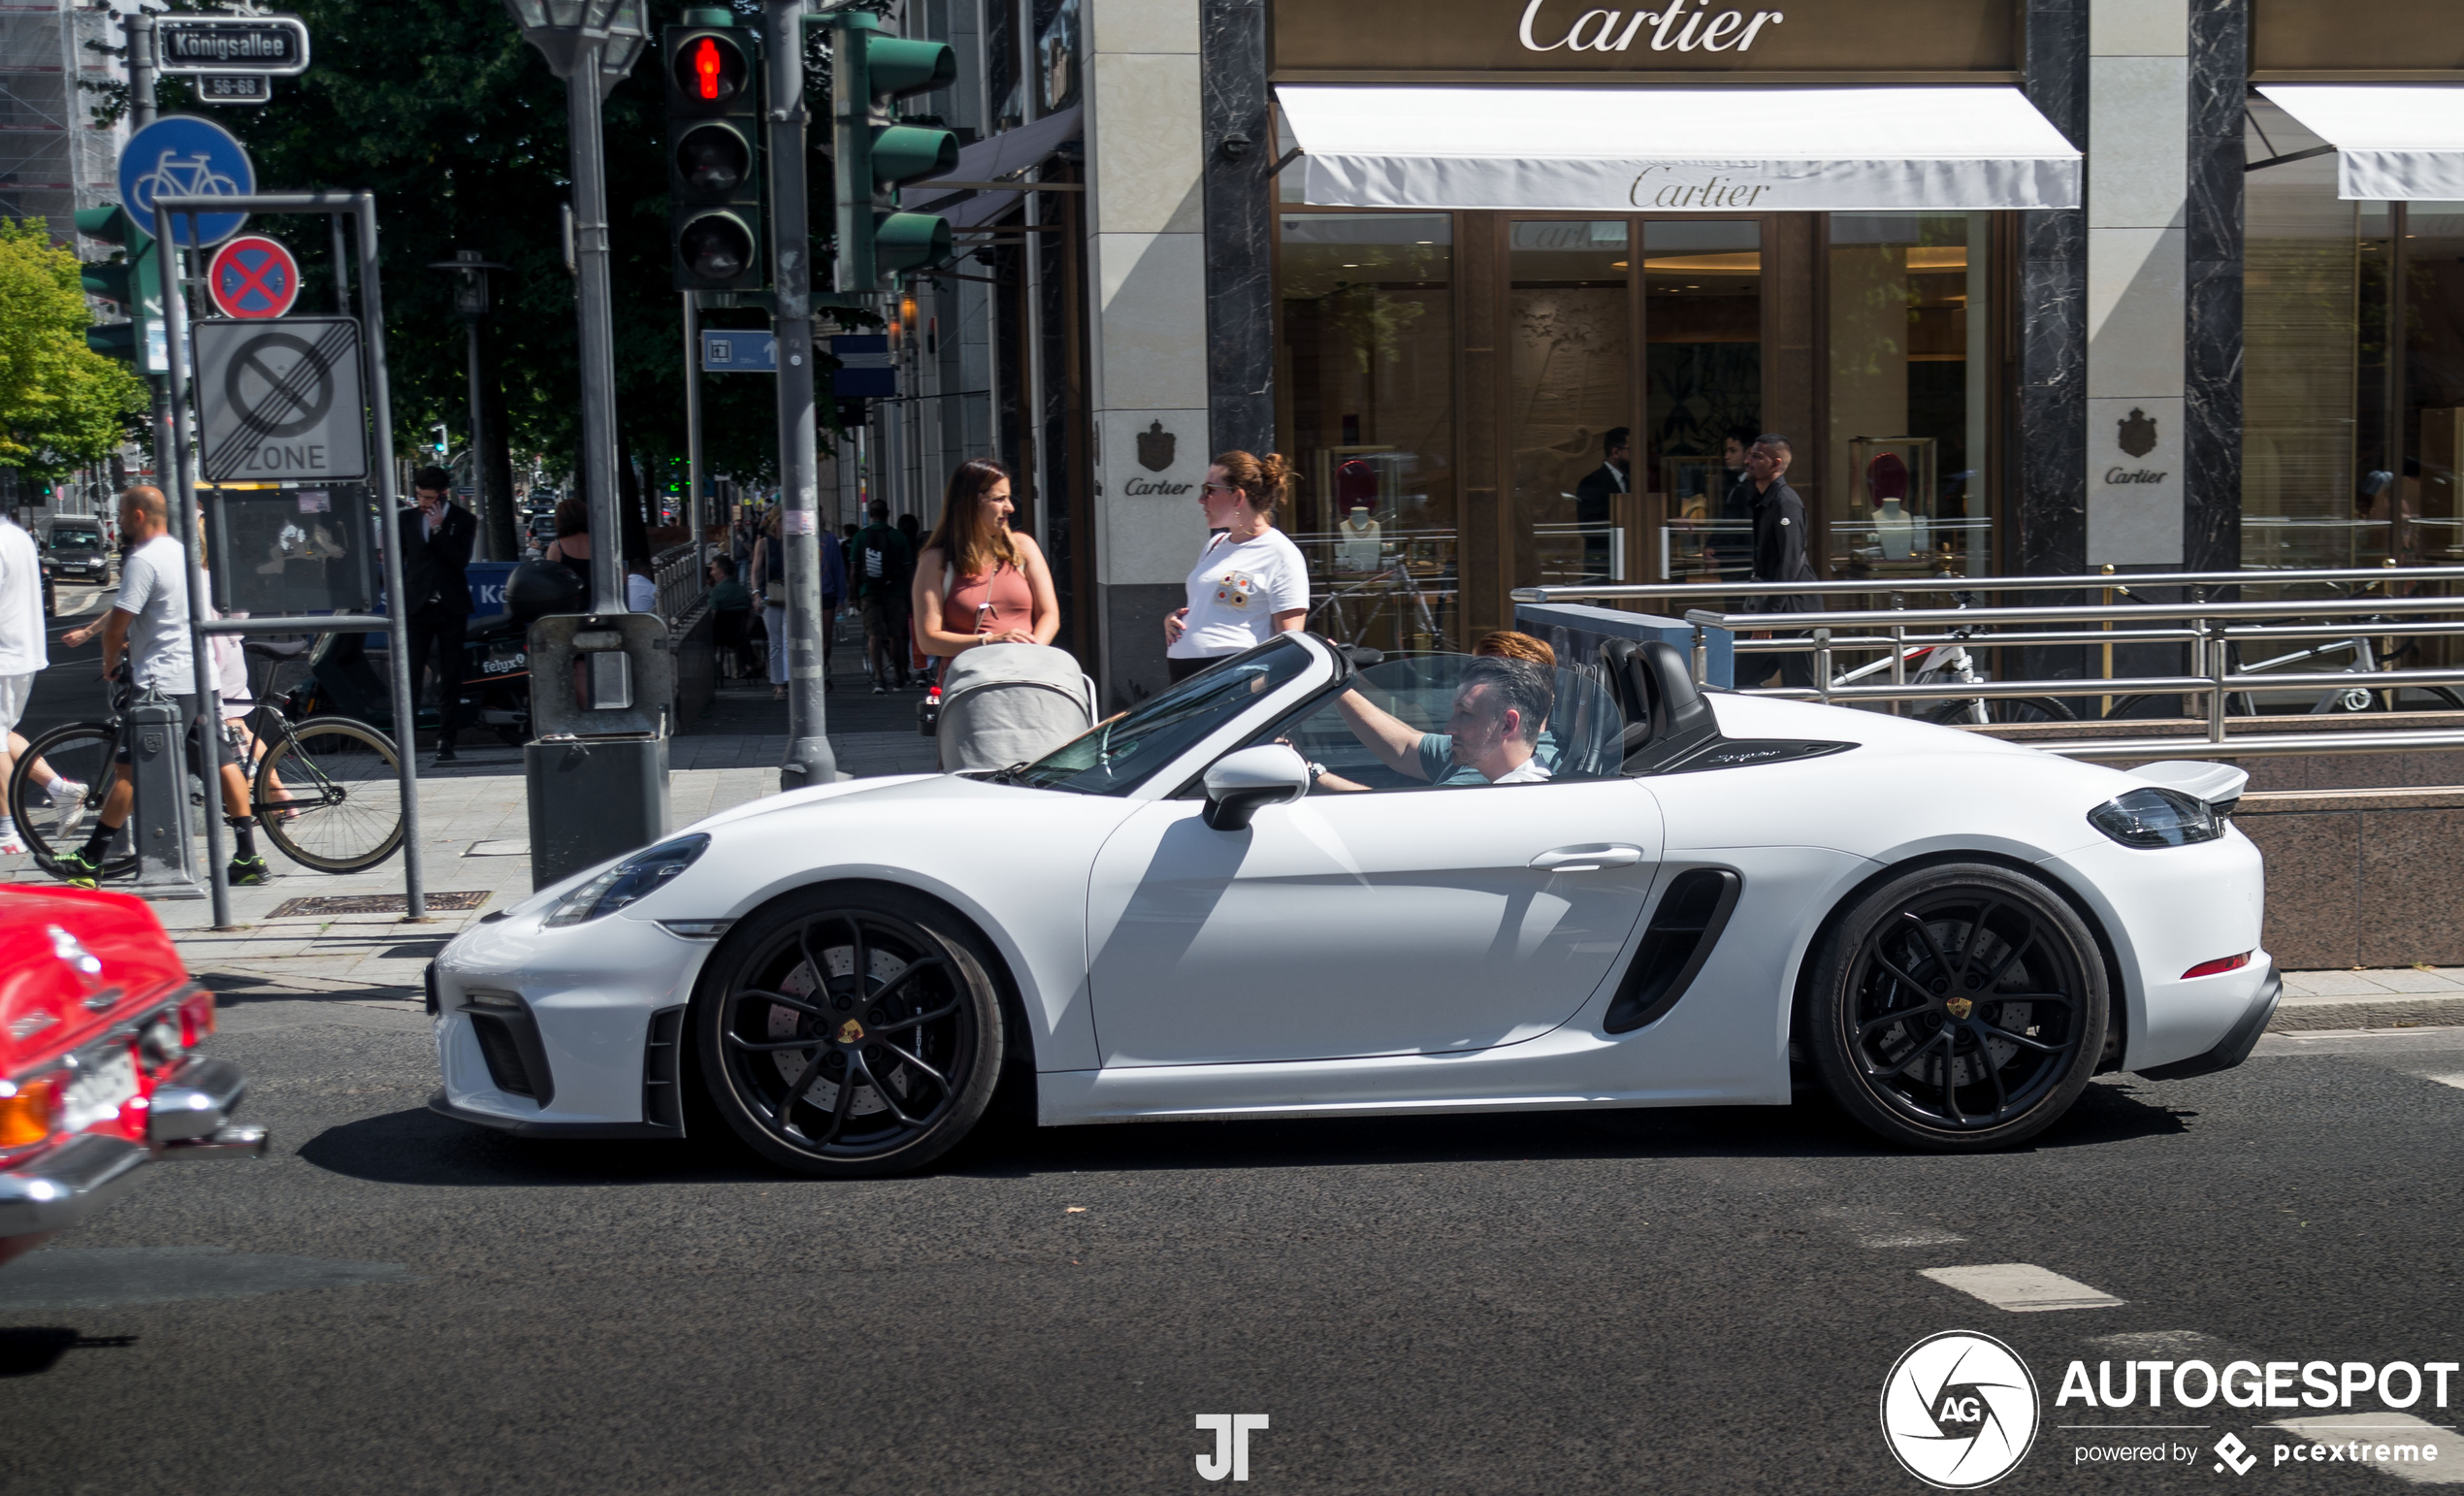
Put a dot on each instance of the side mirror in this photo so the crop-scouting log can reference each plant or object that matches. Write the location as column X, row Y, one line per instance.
column 1238, row 784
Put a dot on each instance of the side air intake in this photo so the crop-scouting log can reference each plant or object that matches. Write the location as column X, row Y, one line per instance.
column 1683, row 930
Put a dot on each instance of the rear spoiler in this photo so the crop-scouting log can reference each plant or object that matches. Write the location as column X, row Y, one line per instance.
column 2217, row 785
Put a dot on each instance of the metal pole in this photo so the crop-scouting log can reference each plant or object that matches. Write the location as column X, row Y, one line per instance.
column 380, row 405
column 496, row 547
column 140, row 69
column 139, row 32
column 341, row 265
column 808, row 760
column 598, row 330
column 183, row 502
column 692, row 437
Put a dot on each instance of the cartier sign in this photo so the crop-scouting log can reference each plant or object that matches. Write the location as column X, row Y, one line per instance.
column 1907, row 39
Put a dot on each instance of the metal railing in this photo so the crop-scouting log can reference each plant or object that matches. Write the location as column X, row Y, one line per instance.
column 677, row 572
column 2209, row 628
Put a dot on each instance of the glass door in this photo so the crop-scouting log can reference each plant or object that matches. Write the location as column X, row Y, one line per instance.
column 1570, row 400
column 1702, row 321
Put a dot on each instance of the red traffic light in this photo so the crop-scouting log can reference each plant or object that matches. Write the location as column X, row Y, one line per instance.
column 709, row 68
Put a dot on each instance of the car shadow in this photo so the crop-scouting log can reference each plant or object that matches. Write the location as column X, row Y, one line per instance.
column 30, row 1350
column 420, row 1148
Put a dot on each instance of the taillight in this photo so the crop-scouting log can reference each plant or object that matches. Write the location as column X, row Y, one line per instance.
column 28, row 1111
column 2217, row 966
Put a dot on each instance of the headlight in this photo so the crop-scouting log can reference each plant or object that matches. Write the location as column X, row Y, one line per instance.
column 630, row 881
column 2156, row 818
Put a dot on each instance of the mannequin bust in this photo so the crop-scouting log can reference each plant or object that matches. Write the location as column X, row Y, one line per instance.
column 1899, row 533
column 1358, row 536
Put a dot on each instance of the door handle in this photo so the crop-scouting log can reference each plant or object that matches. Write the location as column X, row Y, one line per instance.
column 1588, row 859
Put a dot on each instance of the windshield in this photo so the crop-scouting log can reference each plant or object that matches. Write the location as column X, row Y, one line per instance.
column 1116, row 755
column 64, row 538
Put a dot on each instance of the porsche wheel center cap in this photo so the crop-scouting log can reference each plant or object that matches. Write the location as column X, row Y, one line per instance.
column 850, row 1032
column 1959, row 1007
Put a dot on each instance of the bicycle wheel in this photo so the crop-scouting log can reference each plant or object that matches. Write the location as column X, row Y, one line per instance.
column 81, row 752
column 327, row 794
column 2008, row 708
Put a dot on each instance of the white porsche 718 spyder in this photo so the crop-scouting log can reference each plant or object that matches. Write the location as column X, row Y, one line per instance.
column 1297, row 885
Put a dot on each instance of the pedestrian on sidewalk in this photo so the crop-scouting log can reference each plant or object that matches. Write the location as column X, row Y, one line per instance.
column 1250, row 581
column 571, row 547
column 978, row 582
column 731, row 611
column 770, row 583
column 22, row 655
column 436, row 536
column 881, row 567
column 833, row 597
column 147, row 631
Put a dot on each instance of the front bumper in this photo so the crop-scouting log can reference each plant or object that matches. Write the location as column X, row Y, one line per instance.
column 188, row 1117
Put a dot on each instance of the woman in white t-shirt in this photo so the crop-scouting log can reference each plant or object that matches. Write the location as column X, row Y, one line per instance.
column 1251, row 581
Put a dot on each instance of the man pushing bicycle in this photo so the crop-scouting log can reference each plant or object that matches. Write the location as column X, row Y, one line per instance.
column 147, row 627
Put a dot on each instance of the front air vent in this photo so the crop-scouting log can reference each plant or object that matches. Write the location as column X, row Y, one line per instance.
column 510, row 1042
column 1683, row 930
column 661, row 1067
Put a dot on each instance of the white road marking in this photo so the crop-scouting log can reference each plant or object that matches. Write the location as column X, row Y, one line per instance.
column 2358, row 1437
column 2456, row 1081
column 1919, row 1238
column 2021, row 1287
column 2180, row 1345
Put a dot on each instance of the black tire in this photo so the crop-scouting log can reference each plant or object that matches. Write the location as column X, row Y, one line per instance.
column 1926, row 1051
column 330, row 794
column 921, row 1035
column 81, row 751
column 2007, row 709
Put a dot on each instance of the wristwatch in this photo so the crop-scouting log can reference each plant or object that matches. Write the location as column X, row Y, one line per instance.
column 1316, row 772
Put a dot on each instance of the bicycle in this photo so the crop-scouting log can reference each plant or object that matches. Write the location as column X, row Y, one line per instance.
column 1935, row 663
column 2358, row 650
column 1328, row 619
column 322, row 790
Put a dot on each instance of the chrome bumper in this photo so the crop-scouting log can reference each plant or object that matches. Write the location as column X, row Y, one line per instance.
column 195, row 1102
column 67, row 1185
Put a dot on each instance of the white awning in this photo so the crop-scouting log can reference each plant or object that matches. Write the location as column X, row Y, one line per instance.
column 1602, row 149
column 2394, row 141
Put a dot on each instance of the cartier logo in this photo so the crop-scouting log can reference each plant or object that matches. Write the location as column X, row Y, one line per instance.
column 1680, row 25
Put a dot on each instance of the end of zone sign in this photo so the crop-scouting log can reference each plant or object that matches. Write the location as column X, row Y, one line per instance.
column 280, row 402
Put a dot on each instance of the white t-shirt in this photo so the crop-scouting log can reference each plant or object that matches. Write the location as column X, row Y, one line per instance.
column 21, row 650
column 1235, row 592
column 153, row 585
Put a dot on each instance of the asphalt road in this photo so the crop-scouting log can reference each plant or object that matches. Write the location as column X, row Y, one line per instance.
column 1701, row 1300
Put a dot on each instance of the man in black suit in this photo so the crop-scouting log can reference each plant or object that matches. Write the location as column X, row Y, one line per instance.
column 1780, row 538
column 1595, row 498
column 435, row 543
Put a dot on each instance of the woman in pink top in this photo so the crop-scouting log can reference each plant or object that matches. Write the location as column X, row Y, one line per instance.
column 979, row 581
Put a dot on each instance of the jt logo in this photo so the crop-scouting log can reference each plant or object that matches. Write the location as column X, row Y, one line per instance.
column 1231, row 1443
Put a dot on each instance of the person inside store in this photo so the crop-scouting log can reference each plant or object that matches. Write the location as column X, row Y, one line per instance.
column 436, row 536
column 1732, row 549
column 1594, row 508
column 1250, row 581
column 1780, row 545
column 146, row 631
column 978, row 582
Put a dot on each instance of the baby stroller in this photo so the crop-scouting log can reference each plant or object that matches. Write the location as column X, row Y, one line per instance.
column 1010, row 703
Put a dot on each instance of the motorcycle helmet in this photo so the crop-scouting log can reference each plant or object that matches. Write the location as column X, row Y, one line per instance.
column 539, row 588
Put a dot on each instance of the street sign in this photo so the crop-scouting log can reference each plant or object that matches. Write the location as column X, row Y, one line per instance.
column 180, row 155
column 253, row 276
column 276, row 44
column 233, row 88
column 864, row 369
column 280, row 402
column 738, row 350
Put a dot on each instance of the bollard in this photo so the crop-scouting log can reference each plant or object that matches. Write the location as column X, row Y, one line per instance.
column 600, row 688
column 166, row 855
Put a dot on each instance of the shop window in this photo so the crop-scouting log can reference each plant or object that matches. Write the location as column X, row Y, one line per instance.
column 1365, row 388
column 1703, row 320
column 1056, row 59
column 1570, row 401
column 1905, row 491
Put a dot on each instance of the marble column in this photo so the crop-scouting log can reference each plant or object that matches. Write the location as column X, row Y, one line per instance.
column 2212, row 288
column 1148, row 372
column 1240, row 202
column 2047, row 509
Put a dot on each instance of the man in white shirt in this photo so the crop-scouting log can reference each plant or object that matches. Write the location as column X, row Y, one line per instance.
column 21, row 655
column 149, row 625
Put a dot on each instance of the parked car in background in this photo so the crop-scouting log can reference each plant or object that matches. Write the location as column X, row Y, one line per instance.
column 100, row 1073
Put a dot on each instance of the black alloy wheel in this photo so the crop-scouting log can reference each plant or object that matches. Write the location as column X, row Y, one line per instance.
column 1959, row 1007
column 849, row 1031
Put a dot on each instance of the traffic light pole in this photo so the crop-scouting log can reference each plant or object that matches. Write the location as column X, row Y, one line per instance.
column 809, row 760
column 139, row 32
column 598, row 338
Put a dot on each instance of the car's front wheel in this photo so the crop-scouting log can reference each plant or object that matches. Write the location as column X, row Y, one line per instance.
column 848, row 1031
column 1958, row 1007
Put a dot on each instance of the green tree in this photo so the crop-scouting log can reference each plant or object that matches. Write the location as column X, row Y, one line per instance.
column 61, row 403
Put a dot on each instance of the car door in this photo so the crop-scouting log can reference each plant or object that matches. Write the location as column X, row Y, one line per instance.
column 1382, row 914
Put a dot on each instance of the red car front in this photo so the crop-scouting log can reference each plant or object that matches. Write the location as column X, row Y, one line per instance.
column 98, row 1074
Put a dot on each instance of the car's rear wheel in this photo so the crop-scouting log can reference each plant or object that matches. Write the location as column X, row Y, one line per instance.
column 1959, row 1007
column 847, row 1032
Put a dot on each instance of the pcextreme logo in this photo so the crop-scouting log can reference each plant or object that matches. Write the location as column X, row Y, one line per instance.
column 1960, row 1409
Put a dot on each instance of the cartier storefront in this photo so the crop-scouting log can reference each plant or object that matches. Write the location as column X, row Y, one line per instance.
column 1540, row 270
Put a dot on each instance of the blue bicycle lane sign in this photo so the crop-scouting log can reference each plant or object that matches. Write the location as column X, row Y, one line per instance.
column 180, row 155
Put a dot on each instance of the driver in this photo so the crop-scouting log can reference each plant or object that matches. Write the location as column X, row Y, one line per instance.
column 1500, row 707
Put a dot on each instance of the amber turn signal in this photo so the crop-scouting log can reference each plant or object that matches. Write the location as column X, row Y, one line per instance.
column 27, row 1112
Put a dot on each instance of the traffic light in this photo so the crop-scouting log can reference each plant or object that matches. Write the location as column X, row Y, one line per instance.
column 871, row 154
column 133, row 282
column 714, row 133
column 437, row 432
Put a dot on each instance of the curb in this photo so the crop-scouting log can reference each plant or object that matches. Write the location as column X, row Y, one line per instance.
column 2379, row 1010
